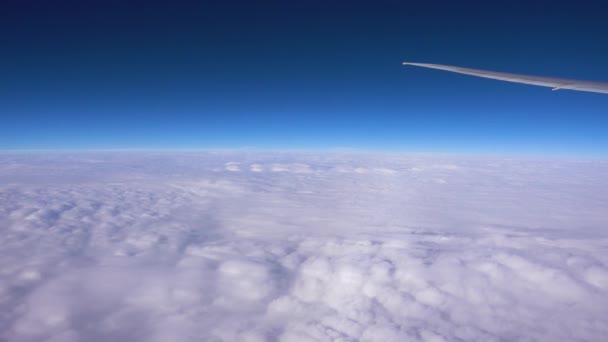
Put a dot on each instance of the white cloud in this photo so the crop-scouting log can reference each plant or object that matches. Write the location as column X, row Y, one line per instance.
column 256, row 168
column 233, row 166
column 325, row 248
column 294, row 167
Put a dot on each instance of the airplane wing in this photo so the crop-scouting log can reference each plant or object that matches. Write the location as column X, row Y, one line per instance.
column 555, row 83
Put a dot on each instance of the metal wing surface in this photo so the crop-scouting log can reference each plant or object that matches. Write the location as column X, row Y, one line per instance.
column 555, row 83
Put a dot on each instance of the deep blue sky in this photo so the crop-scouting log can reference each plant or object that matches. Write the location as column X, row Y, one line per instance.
column 300, row 75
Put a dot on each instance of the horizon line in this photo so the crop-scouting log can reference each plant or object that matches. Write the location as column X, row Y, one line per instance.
column 334, row 150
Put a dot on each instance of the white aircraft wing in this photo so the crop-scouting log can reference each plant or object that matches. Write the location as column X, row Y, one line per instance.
column 555, row 83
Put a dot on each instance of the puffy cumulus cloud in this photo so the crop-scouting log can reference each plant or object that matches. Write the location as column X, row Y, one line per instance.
column 233, row 166
column 256, row 168
column 163, row 247
column 295, row 168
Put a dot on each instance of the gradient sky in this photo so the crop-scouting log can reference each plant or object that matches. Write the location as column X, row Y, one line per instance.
column 300, row 75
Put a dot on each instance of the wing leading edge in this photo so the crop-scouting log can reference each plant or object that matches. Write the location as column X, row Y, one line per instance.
column 555, row 83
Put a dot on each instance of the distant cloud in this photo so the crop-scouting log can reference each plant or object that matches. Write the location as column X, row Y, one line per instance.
column 233, row 166
column 256, row 168
column 301, row 248
column 295, row 168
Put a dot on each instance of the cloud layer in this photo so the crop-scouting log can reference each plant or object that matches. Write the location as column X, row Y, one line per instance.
column 301, row 247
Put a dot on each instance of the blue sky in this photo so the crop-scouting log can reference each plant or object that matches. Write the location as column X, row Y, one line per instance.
column 313, row 75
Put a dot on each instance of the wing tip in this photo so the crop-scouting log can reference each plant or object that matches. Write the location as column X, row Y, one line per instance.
column 415, row 64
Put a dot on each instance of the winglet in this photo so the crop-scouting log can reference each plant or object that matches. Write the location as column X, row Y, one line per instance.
column 560, row 86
